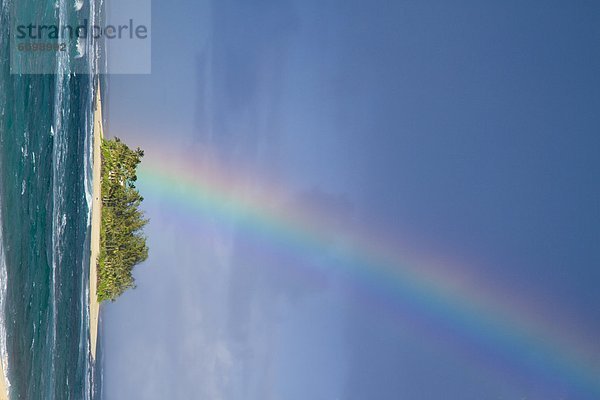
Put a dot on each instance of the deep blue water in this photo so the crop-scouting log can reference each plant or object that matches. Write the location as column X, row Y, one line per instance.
column 45, row 184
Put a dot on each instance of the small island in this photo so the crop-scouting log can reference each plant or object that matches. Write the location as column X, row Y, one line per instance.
column 122, row 242
column 117, row 243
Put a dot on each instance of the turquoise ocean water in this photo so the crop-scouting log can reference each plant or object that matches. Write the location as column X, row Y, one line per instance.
column 45, row 194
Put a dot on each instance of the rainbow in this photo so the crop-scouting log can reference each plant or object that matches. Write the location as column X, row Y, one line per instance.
column 450, row 297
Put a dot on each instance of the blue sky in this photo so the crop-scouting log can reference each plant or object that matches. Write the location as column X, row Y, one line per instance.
column 465, row 130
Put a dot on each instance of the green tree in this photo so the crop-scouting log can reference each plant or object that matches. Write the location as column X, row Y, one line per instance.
column 122, row 242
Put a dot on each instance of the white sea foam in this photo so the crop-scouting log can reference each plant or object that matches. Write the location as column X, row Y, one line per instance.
column 80, row 47
column 3, row 286
column 61, row 109
column 85, row 338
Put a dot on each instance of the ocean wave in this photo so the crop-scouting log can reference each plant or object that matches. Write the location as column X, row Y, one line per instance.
column 80, row 48
column 84, row 340
column 61, row 109
column 3, row 286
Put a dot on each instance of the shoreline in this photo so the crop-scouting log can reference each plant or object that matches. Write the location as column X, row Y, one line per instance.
column 94, row 312
column 3, row 385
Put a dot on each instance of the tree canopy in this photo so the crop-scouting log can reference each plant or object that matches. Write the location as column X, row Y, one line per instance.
column 122, row 241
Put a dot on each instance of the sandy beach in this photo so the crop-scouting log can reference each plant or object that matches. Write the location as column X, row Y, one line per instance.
column 95, row 233
column 3, row 387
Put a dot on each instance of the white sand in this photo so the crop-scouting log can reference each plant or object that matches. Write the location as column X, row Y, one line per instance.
column 96, row 219
column 3, row 386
